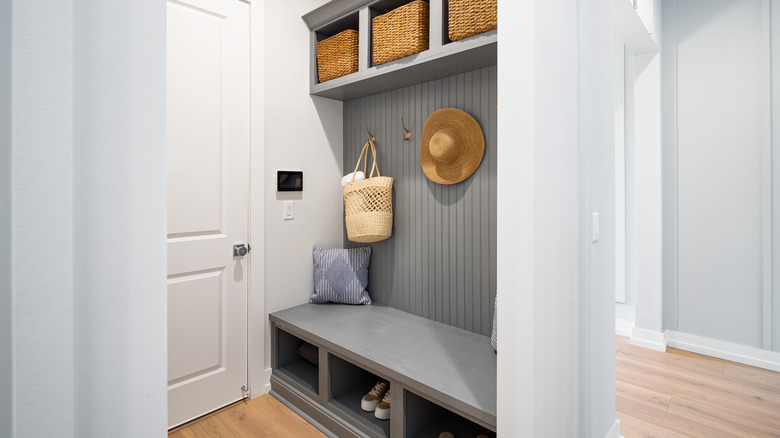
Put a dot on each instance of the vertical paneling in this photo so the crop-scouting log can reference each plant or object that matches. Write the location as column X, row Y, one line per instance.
column 440, row 262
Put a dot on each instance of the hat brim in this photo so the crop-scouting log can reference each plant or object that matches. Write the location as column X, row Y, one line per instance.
column 471, row 147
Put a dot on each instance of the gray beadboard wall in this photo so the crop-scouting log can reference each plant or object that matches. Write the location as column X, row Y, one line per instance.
column 440, row 262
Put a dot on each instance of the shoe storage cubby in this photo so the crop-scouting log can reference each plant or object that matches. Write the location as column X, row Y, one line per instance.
column 425, row 419
column 293, row 360
column 348, row 383
column 441, row 377
column 443, row 57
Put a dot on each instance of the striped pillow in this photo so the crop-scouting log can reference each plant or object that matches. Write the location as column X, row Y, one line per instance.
column 341, row 275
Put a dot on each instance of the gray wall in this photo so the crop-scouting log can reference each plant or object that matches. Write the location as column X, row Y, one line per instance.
column 440, row 262
column 721, row 147
column 5, row 219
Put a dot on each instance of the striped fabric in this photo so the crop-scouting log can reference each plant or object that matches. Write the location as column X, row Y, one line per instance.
column 494, row 336
column 341, row 275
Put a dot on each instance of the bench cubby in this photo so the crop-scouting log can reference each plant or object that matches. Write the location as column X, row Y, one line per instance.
column 426, row 419
column 441, row 377
column 348, row 383
column 291, row 366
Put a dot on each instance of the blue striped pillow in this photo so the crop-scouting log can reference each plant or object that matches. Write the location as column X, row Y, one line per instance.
column 341, row 275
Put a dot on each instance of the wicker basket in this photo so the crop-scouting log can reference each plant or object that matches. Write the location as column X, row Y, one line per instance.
column 401, row 32
column 471, row 17
column 338, row 55
column 368, row 204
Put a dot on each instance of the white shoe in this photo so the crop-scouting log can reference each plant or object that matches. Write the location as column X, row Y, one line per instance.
column 372, row 399
column 383, row 408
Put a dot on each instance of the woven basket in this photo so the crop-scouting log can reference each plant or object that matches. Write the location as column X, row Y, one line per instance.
column 401, row 32
column 338, row 55
column 471, row 17
column 368, row 204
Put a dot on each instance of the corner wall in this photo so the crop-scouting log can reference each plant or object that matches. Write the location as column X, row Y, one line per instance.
column 718, row 180
column 88, row 210
column 119, row 219
column 556, row 318
column 301, row 133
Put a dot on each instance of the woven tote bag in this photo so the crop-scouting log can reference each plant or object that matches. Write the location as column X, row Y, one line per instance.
column 368, row 204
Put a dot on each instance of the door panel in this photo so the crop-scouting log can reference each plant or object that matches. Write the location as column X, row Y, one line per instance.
column 208, row 195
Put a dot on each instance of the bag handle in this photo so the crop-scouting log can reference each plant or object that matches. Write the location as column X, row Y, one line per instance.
column 365, row 150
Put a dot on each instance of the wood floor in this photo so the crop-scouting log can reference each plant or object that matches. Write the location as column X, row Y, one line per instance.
column 660, row 395
column 262, row 417
column 681, row 394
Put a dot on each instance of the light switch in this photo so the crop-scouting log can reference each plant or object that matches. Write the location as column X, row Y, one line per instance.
column 595, row 227
column 289, row 210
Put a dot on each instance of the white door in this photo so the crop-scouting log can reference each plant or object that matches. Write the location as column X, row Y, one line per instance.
column 208, row 196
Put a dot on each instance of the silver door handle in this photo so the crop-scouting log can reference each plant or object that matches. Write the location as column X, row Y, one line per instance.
column 240, row 250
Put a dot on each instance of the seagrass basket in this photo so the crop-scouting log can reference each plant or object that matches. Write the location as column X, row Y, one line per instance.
column 368, row 204
column 471, row 17
column 401, row 32
column 337, row 55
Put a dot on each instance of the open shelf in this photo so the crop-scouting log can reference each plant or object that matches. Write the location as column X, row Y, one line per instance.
column 292, row 366
column 427, row 419
column 348, row 383
column 443, row 57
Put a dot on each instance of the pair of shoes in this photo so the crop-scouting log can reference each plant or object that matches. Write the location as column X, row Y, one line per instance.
column 378, row 400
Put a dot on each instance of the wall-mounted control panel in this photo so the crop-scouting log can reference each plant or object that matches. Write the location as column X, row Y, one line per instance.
column 289, row 181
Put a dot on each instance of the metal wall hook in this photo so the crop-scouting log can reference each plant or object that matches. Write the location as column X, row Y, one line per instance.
column 407, row 135
column 370, row 135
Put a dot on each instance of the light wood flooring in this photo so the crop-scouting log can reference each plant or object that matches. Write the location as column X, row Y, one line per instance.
column 262, row 417
column 660, row 395
column 681, row 394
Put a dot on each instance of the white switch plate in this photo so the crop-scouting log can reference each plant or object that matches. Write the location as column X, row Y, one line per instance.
column 289, row 211
column 595, row 227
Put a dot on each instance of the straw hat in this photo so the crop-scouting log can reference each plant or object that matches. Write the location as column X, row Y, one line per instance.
column 452, row 146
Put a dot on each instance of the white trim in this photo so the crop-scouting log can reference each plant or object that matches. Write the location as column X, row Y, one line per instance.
column 614, row 431
column 744, row 354
column 623, row 327
column 258, row 375
column 766, row 176
column 648, row 339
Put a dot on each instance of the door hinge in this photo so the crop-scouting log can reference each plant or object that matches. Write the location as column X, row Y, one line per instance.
column 245, row 391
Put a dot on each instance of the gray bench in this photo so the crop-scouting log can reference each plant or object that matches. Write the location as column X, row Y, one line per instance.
column 441, row 377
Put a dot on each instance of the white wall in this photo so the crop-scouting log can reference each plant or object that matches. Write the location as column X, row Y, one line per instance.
column 119, row 207
column 721, row 97
column 597, row 194
column 5, row 219
column 42, row 217
column 88, row 210
column 257, row 315
column 301, row 133
column 772, row 309
column 556, row 289
column 647, row 182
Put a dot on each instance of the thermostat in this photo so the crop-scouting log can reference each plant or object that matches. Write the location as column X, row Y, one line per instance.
column 289, row 181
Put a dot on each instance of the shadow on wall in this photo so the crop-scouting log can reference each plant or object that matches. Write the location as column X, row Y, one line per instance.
column 700, row 17
column 330, row 114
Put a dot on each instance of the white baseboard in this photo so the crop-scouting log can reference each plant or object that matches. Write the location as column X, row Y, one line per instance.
column 614, row 431
column 264, row 386
column 648, row 339
column 744, row 354
column 623, row 327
